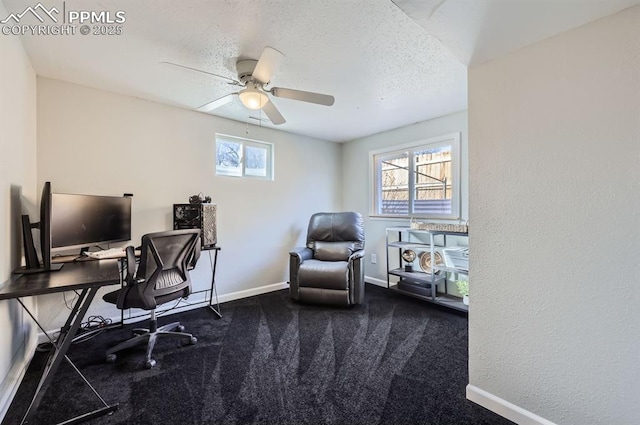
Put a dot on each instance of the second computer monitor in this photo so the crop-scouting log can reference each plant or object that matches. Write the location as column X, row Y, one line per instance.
column 80, row 221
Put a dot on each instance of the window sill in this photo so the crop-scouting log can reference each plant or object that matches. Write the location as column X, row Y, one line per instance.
column 445, row 220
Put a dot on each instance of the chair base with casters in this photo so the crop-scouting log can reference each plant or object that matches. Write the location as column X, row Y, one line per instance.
column 161, row 276
column 149, row 337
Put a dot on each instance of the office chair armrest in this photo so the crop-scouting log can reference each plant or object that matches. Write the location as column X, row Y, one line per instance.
column 130, row 285
column 130, row 281
column 131, row 263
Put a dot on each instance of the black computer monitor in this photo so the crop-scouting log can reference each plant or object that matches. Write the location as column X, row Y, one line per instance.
column 33, row 264
column 83, row 221
column 73, row 221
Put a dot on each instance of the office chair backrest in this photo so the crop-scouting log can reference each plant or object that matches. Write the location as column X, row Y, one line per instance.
column 164, row 264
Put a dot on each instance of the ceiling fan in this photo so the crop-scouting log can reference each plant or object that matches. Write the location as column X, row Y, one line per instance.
column 253, row 77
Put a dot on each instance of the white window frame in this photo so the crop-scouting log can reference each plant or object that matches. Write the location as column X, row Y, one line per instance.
column 375, row 169
column 269, row 147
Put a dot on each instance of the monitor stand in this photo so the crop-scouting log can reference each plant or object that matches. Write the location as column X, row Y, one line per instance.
column 30, row 254
column 25, row 270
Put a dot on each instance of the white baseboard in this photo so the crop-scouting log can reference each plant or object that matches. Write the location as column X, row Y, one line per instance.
column 191, row 303
column 504, row 408
column 375, row 281
column 252, row 292
column 16, row 372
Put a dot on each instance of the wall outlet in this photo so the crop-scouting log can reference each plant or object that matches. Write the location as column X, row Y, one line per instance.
column 374, row 258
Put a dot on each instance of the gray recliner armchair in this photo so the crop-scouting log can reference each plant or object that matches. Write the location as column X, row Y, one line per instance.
column 329, row 269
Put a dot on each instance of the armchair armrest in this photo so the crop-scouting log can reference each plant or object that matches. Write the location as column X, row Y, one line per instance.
column 356, row 255
column 302, row 252
column 296, row 257
column 356, row 271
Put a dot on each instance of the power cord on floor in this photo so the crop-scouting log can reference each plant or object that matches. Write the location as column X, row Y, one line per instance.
column 93, row 327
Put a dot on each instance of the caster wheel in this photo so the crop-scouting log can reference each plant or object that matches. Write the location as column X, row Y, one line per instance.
column 193, row 340
column 180, row 328
column 149, row 364
column 111, row 358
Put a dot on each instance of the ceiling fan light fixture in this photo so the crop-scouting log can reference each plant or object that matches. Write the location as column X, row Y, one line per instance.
column 253, row 98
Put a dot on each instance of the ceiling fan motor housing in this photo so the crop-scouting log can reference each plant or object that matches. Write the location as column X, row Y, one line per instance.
column 245, row 69
column 253, row 76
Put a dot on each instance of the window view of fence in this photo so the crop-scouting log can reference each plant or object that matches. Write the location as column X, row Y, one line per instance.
column 417, row 181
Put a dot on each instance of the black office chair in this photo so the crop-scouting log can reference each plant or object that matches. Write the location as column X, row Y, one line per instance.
column 162, row 276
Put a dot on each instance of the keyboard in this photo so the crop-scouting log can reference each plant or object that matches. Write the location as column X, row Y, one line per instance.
column 107, row 253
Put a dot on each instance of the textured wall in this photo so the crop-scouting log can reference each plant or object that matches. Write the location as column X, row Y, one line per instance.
column 554, row 178
column 17, row 184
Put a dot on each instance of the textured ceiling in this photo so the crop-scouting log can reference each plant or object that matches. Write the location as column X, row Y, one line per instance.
column 381, row 64
column 480, row 30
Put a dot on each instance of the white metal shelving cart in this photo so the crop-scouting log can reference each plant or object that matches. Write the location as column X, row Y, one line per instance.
column 428, row 280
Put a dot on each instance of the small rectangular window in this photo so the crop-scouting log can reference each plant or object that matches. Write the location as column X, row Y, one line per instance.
column 243, row 158
column 421, row 179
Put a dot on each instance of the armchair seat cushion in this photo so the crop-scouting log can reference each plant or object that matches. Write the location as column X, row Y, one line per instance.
column 324, row 274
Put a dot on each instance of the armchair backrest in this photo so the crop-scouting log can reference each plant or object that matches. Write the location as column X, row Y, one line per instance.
column 332, row 236
column 164, row 261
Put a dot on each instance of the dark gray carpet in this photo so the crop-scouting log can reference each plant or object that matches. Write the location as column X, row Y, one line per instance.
column 392, row 360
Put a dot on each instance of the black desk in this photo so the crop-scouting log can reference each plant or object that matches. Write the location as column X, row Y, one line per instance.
column 86, row 277
column 214, row 291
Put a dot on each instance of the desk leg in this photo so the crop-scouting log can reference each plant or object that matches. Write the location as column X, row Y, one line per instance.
column 59, row 352
column 214, row 263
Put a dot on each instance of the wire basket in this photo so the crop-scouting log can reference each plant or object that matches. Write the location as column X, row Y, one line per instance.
column 418, row 224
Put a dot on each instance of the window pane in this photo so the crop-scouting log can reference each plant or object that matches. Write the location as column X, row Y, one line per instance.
column 394, row 184
column 419, row 179
column 228, row 158
column 433, row 183
column 255, row 161
column 244, row 158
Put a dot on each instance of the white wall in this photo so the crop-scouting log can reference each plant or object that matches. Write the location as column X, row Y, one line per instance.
column 357, row 180
column 18, row 183
column 92, row 141
column 555, row 204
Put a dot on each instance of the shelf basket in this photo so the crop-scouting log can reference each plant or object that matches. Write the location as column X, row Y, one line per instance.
column 417, row 224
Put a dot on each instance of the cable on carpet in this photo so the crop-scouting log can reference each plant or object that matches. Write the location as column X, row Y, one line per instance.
column 93, row 327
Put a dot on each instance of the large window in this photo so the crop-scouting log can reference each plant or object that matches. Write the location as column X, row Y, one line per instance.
column 243, row 158
column 421, row 179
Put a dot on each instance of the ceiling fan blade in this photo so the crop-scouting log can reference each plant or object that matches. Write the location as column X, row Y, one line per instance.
column 219, row 77
column 210, row 106
column 305, row 96
column 267, row 65
column 273, row 114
